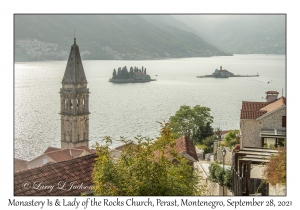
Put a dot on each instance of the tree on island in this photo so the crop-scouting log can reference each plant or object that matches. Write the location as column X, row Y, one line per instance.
column 194, row 122
column 147, row 168
column 114, row 74
column 123, row 73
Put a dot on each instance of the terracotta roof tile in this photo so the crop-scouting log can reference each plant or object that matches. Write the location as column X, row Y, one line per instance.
column 78, row 171
column 274, row 105
column 51, row 149
column 68, row 154
column 185, row 145
column 250, row 105
column 91, row 151
column 249, row 114
column 253, row 110
column 60, row 155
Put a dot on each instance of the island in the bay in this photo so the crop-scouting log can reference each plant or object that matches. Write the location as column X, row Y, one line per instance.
column 223, row 73
column 133, row 75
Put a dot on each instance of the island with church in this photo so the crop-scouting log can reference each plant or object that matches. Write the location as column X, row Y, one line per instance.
column 133, row 75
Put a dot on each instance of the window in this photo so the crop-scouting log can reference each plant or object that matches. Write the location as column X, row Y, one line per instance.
column 283, row 121
column 273, row 142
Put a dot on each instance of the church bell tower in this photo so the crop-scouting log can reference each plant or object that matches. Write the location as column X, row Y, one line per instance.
column 74, row 103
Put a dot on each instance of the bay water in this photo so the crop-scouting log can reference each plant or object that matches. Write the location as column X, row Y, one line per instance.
column 134, row 109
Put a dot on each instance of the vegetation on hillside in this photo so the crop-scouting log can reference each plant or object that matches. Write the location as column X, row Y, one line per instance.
column 112, row 36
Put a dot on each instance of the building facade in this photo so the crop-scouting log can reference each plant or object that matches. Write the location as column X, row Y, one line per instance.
column 263, row 124
column 74, row 103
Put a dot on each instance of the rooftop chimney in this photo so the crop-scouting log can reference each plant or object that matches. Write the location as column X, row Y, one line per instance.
column 271, row 96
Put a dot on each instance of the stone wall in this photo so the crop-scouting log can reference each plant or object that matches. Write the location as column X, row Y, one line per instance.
column 74, row 129
column 214, row 189
column 227, row 158
column 250, row 129
column 277, row 190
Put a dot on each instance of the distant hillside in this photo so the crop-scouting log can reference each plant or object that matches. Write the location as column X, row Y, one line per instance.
column 167, row 21
column 39, row 37
column 241, row 34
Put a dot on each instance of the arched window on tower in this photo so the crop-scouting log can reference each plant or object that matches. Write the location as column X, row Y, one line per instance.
column 71, row 104
column 65, row 104
column 83, row 104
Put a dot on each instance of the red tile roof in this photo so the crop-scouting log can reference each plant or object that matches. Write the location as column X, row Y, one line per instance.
column 274, row 105
column 51, row 149
column 91, row 151
column 78, row 171
column 252, row 114
column 185, row 145
column 250, row 105
column 253, row 110
column 58, row 154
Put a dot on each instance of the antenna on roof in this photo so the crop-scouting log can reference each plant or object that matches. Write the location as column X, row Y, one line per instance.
column 282, row 92
column 74, row 33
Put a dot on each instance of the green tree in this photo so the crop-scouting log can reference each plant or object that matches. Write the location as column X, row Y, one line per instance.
column 231, row 138
column 207, row 144
column 147, row 168
column 194, row 122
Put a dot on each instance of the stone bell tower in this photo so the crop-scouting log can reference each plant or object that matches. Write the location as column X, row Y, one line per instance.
column 74, row 103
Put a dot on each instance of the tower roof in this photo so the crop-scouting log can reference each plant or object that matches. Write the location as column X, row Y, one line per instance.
column 74, row 72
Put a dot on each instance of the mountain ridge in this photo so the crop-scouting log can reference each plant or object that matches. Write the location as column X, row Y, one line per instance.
column 104, row 37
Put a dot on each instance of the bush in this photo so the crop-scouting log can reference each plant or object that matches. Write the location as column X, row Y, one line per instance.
column 275, row 171
column 220, row 176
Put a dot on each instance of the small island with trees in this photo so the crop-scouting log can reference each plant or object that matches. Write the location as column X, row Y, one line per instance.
column 133, row 75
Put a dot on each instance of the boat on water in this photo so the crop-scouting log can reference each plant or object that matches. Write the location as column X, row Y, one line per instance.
column 223, row 73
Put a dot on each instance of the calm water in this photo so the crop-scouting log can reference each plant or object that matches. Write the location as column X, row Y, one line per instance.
column 133, row 109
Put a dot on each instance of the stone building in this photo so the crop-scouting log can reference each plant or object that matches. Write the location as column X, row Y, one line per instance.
column 263, row 124
column 74, row 98
column 262, row 129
